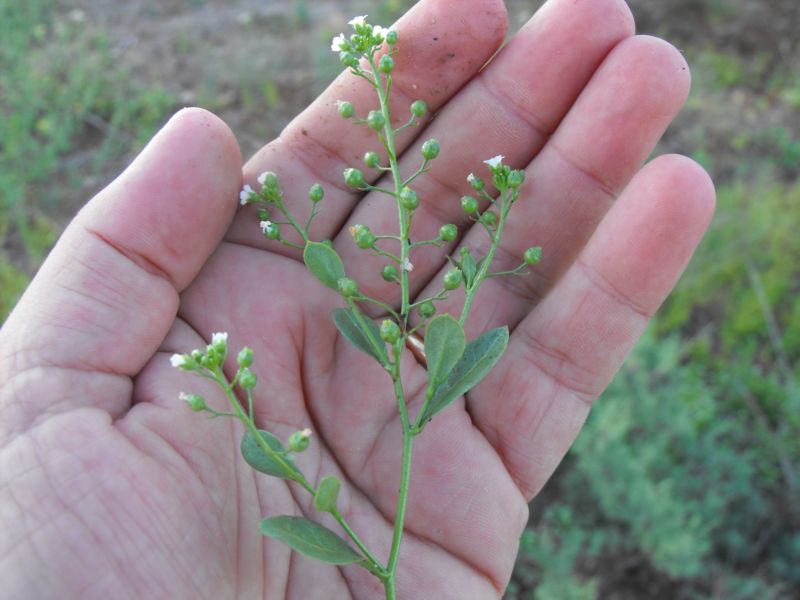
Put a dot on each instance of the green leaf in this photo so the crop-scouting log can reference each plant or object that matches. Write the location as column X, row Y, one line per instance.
column 365, row 339
column 469, row 268
column 478, row 359
column 260, row 460
column 327, row 494
column 444, row 344
column 311, row 539
column 324, row 263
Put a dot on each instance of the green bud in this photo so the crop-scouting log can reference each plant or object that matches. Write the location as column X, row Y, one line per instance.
column 348, row 59
column 391, row 37
column 271, row 230
column 316, row 193
column 354, row 178
column 489, row 219
column 469, row 204
column 448, row 233
column 516, row 178
column 263, row 214
column 299, row 440
column 419, row 108
column 427, row 310
column 346, row 109
column 347, row 287
column 452, row 279
column 408, row 198
column 362, row 236
column 245, row 357
column 194, row 402
column 372, row 160
column 389, row 273
column 476, row 182
column 386, row 64
column 327, row 494
column 390, row 332
column 376, row 120
column 533, row 255
column 269, row 180
column 247, row 379
column 431, row 149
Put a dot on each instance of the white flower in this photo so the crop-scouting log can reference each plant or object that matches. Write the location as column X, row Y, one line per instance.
column 265, row 225
column 262, row 178
column 381, row 32
column 471, row 178
column 219, row 338
column 244, row 195
column 336, row 45
column 495, row 162
column 183, row 396
column 357, row 21
column 178, row 360
column 407, row 266
column 306, row 433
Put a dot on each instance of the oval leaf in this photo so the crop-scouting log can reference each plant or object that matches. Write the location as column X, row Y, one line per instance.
column 327, row 494
column 469, row 268
column 260, row 460
column 479, row 357
column 324, row 263
column 365, row 339
column 311, row 539
column 444, row 344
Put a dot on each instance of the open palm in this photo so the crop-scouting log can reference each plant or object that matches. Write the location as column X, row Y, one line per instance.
column 112, row 489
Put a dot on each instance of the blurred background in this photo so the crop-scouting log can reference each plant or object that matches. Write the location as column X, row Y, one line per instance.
column 685, row 482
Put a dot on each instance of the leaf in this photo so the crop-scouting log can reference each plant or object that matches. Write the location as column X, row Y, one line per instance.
column 260, row 460
column 469, row 268
column 444, row 344
column 324, row 263
column 311, row 539
column 479, row 357
column 367, row 340
column 327, row 494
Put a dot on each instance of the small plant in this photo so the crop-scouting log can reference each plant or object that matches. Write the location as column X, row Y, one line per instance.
column 454, row 365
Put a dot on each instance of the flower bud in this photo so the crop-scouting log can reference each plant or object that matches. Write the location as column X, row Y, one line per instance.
column 427, row 310
column 516, row 178
column 194, row 402
column 489, row 219
column 245, row 357
column 372, row 160
column 386, row 64
column 391, row 37
column 348, row 59
column 247, row 379
column 263, row 214
column 389, row 273
column 452, row 279
column 419, row 108
column 346, row 109
column 408, row 198
column 533, row 255
column 271, row 230
column 390, row 332
column 362, row 236
column 469, row 204
column 431, row 149
column 354, row 178
column 448, row 233
column 316, row 193
column 376, row 120
column 347, row 287
column 299, row 440
column 476, row 182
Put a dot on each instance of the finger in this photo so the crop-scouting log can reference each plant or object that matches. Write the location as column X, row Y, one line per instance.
column 511, row 108
column 108, row 293
column 564, row 354
column 442, row 44
column 607, row 135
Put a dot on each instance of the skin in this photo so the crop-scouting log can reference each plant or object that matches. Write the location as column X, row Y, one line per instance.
column 111, row 488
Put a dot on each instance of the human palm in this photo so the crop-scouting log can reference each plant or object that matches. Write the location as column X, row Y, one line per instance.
column 111, row 488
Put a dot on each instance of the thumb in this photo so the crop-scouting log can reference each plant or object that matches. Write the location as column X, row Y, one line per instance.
column 108, row 293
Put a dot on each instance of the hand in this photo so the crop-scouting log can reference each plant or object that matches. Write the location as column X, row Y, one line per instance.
column 111, row 488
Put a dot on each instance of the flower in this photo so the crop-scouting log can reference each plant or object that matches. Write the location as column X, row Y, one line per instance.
column 178, row 360
column 358, row 21
column 381, row 32
column 495, row 162
column 262, row 178
column 244, row 195
column 219, row 338
column 265, row 225
column 336, row 44
column 407, row 266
